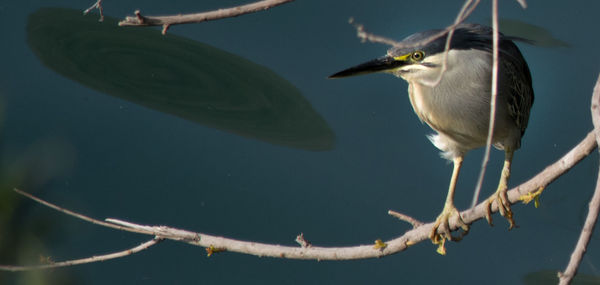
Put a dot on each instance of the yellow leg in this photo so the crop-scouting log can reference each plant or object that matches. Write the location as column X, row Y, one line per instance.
column 442, row 221
column 500, row 196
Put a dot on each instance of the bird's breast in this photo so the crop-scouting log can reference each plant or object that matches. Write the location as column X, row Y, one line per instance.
column 462, row 117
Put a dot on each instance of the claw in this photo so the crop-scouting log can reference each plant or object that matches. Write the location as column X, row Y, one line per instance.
column 440, row 232
column 503, row 207
column 500, row 196
column 488, row 214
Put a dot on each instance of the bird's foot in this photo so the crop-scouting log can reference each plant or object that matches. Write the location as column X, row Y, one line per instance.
column 440, row 232
column 503, row 207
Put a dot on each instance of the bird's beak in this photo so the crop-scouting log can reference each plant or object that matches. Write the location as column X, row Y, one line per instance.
column 385, row 63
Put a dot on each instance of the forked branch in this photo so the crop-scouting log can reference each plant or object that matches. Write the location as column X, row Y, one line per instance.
column 417, row 234
column 167, row 21
column 594, row 206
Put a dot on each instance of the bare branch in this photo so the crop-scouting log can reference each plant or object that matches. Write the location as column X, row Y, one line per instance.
column 416, row 235
column 162, row 231
column 494, row 95
column 465, row 11
column 267, row 250
column 167, row 21
column 97, row 5
column 77, row 215
column 104, row 257
column 414, row 222
column 364, row 36
column 594, row 207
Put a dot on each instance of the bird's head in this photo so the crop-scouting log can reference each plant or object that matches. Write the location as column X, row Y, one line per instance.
column 420, row 56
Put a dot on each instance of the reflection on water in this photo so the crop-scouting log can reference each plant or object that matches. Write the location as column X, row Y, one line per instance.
column 177, row 76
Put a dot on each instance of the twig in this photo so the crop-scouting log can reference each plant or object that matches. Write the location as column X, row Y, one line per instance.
column 104, row 257
column 494, row 95
column 97, row 5
column 393, row 246
column 363, row 35
column 167, row 21
column 522, row 3
column 302, row 241
column 414, row 222
column 594, row 206
column 77, row 215
column 465, row 11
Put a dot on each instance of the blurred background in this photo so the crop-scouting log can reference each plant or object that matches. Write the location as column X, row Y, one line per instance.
column 232, row 128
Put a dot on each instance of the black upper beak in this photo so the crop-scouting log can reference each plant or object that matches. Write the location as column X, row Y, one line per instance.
column 376, row 65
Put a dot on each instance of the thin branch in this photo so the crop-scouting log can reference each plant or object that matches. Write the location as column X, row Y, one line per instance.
column 97, row 5
column 77, row 215
column 393, row 246
column 98, row 258
column 494, row 95
column 167, row 21
column 522, row 3
column 363, row 35
column 594, row 206
column 466, row 10
column 414, row 222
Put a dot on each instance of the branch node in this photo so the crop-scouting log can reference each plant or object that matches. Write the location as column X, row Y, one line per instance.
column 139, row 17
column 379, row 244
column 165, row 28
column 302, row 241
column 212, row 249
column 533, row 196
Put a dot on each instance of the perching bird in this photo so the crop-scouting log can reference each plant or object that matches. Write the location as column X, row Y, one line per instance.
column 457, row 106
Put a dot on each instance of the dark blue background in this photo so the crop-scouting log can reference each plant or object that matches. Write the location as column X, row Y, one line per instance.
column 107, row 157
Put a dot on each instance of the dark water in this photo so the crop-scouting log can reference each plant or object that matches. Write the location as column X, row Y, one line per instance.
column 231, row 128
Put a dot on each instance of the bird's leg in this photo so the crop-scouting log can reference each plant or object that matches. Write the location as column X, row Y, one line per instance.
column 500, row 196
column 442, row 221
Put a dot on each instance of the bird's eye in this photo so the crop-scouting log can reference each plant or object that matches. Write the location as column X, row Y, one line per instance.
column 417, row 55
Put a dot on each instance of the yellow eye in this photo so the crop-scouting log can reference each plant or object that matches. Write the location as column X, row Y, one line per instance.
column 417, row 55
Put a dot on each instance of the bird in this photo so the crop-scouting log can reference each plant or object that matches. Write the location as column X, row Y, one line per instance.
column 455, row 102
